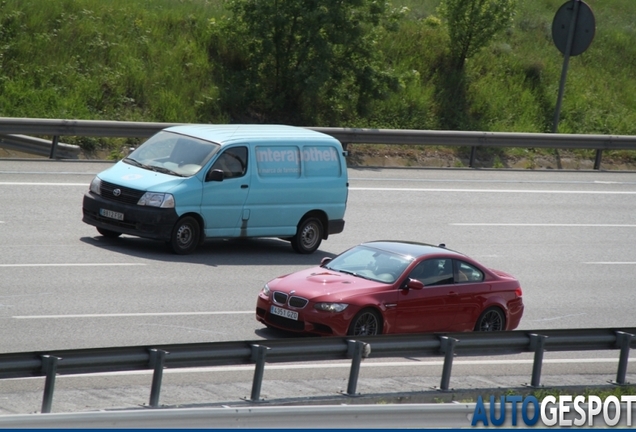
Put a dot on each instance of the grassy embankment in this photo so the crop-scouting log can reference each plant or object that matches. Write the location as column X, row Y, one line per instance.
column 147, row 60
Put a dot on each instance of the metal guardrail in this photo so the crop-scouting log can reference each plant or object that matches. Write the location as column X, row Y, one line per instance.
column 473, row 139
column 38, row 146
column 259, row 352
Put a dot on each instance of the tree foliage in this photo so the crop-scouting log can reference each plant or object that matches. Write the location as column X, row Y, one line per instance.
column 304, row 61
column 472, row 24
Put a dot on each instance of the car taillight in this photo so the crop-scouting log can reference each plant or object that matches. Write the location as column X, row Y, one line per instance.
column 518, row 292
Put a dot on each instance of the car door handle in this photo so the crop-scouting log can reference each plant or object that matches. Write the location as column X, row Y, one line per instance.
column 244, row 186
column 452, row 293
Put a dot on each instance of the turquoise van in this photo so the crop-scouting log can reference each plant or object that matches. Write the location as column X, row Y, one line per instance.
column 189, row 183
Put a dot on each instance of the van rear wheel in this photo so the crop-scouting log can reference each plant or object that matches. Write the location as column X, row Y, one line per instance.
column 185, row 236
column 308, row 236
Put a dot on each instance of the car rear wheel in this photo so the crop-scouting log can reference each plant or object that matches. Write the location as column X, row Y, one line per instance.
column 185, row 236
column 492, row 319
column 366, row 323
column 108, row 233
column 308, row 236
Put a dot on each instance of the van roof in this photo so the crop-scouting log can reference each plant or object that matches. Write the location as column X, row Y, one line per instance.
column 228, row 133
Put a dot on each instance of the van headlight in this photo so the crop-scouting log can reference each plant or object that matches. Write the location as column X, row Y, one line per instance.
column 96, row 186
column 331, row 307
column 155, row 199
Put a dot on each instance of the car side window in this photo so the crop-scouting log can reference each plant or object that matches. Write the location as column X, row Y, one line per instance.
column 437, row 271
column 233, row 162
column 468, row 273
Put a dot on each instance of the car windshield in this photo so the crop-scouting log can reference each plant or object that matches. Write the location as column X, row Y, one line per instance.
column 370, row 263
column 173, row 154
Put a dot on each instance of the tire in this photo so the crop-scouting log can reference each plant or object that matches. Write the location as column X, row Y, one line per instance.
column 108, row 233
column 492, row 319
column 308, row 236
column 367, row 322
column 185, row 236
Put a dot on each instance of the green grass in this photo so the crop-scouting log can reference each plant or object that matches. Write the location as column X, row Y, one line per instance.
column 149, row 60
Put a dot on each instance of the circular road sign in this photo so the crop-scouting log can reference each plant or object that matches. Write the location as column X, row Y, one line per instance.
column 584, row 27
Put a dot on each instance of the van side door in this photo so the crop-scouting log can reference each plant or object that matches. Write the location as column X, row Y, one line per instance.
column 225, row 190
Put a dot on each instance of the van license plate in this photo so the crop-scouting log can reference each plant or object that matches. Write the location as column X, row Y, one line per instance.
column 111, row 214
column 284, row 313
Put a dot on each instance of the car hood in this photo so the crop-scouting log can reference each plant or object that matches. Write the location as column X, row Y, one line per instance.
column 123, row 174
column 320, row 282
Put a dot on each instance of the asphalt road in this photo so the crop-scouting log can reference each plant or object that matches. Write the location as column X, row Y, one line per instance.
column 568, row 236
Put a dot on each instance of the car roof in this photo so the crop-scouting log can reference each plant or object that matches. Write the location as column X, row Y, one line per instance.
column 412, row 249
column 229, row 133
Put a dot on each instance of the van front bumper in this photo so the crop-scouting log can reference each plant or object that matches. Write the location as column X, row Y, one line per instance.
column 141, row 221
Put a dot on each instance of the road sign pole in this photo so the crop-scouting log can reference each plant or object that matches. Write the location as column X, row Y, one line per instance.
column 566, row 61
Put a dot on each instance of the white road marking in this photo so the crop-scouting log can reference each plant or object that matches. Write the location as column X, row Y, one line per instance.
column 556, row 318
column 342, row 365
column 612, row 262
column 547, row 225
column 73, row 265
column 119, row 315
column 537, row 191
column 494, row 191
column 42, row 184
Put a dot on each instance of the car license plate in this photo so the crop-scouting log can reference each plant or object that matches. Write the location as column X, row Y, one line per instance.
column 111, row 214
column 275, row 310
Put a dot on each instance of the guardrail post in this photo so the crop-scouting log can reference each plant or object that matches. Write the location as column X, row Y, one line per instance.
column 623, row 341
column 471, row 161
column 49, row 367
column 356, row 350
column 597, row 159
column 56, row 139
column 537, row 344
column 259, row 352
column 157, row 361
column 448, row 348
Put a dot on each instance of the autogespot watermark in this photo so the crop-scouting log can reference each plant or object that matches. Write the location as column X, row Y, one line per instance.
column 554, row 411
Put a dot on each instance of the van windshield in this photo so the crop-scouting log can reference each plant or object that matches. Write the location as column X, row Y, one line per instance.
column 173, row 154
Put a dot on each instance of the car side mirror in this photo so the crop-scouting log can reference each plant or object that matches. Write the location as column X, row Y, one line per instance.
column 324, row 261
column 414, row 284
column 215, row 175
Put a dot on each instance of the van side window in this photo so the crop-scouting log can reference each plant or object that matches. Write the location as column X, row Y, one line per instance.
column 278, row 161
column 233, row 162
column 321, row 161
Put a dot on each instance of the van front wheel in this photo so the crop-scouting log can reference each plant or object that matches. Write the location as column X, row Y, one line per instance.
column 308, row 236
column 185, row 236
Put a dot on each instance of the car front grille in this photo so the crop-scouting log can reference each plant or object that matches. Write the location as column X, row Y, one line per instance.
column 293, row 301
column 126, row 195
column 298, row 302
column 280, row 297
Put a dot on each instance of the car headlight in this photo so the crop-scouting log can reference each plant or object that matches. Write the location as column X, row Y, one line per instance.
column 154, row 199
column 96, row 186
column 331, row 307
column 265, row 290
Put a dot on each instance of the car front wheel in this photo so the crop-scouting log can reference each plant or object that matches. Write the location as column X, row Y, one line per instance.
column 366, row 323
column 492, row 319
column 185, row 236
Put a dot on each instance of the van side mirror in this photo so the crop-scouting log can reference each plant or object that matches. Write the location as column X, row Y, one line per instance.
column 324, row 261
column 413, row 284
column 215, row 175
